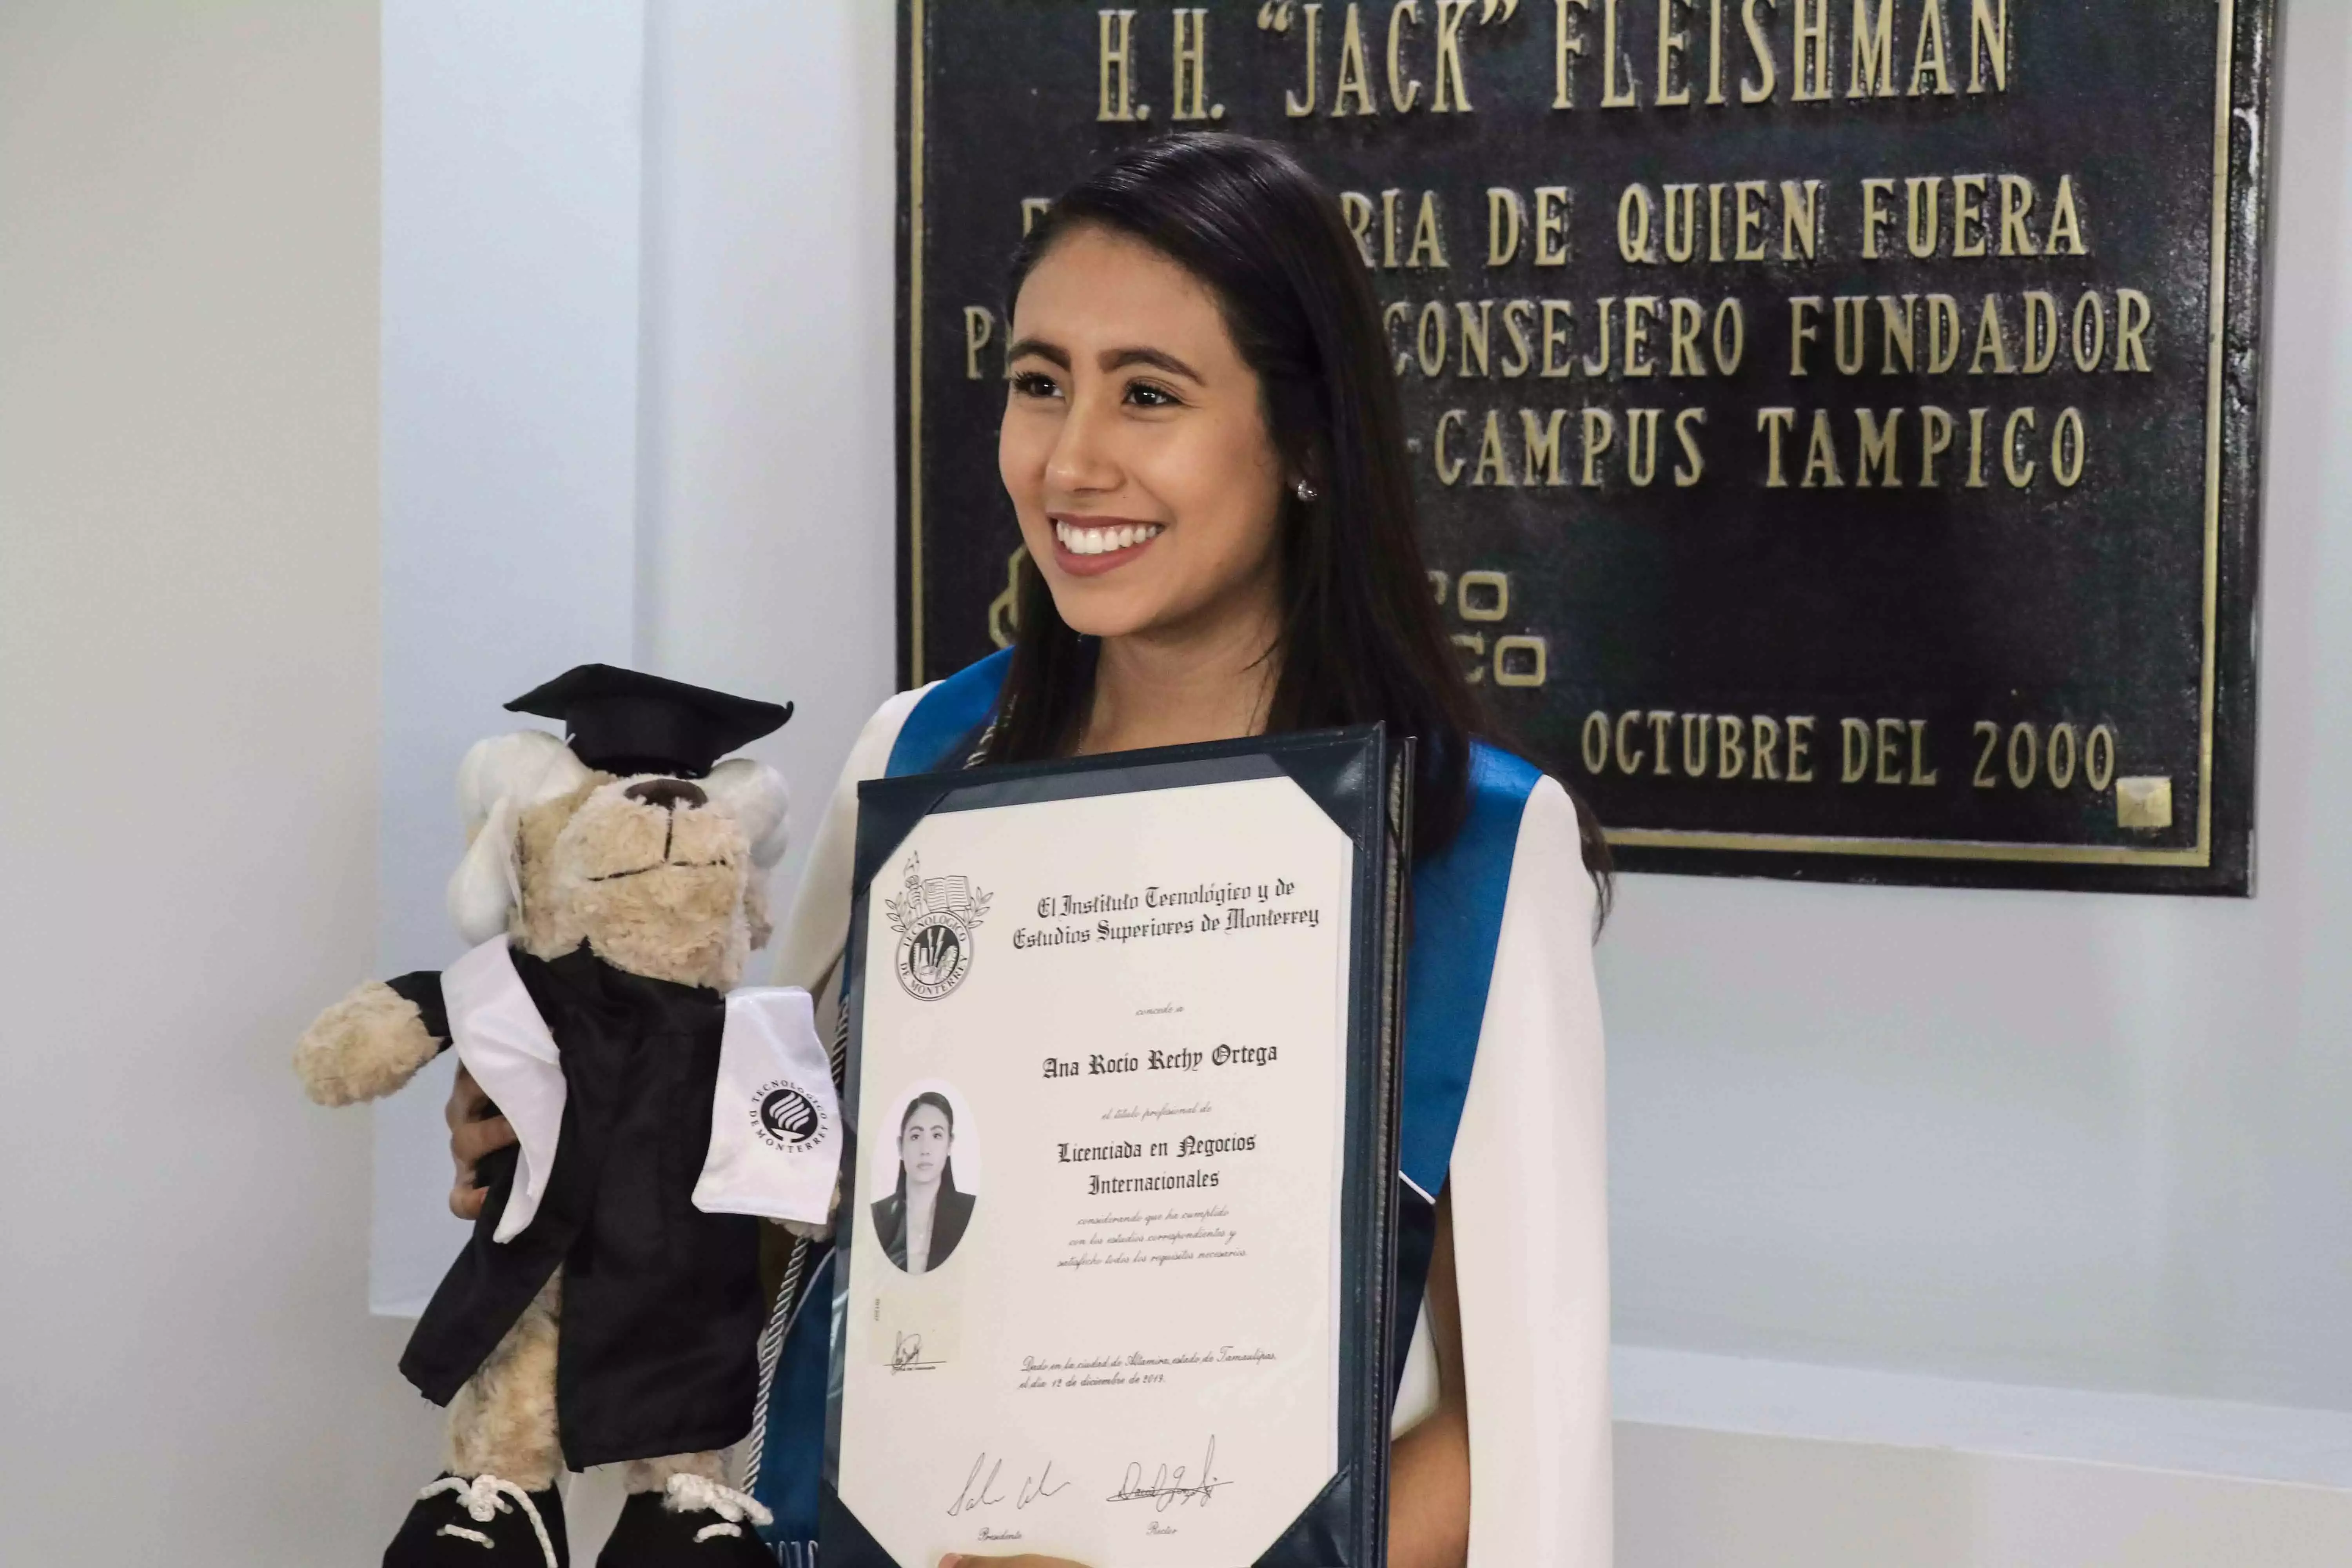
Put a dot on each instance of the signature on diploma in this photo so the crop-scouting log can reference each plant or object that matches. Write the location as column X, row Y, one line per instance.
column 907, row 1354
column 979, row 1489
column 1172, row 1487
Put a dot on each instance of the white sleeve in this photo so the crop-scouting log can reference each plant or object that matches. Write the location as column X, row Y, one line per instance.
column 1531, row 1221
column 817, row 929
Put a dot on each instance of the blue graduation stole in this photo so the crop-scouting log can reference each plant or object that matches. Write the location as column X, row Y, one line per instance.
column 1457, row 921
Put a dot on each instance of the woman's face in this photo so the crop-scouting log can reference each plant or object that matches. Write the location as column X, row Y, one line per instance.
column 1135, row 446
column 923, row 1144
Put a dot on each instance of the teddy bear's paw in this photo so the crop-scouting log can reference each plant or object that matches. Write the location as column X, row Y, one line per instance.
column 692, row 1522
column 482, row 1523
column 363, row 1047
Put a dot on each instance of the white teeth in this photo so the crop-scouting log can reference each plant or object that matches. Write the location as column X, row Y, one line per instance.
column 1103, row 540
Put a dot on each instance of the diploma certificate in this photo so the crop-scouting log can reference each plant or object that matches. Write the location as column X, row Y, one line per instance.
column 1119, row 1238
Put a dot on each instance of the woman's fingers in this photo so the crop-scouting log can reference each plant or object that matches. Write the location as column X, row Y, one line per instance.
column 468, row 1141
column 465, row 1200
column 476, row 1129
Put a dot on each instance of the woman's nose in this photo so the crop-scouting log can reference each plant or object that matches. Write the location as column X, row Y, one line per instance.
column 1081, row 462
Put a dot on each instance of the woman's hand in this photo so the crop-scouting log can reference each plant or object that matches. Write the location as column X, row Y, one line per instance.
column 476, row 1129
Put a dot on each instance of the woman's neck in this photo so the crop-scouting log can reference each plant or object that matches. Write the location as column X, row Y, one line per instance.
column 926, row 1190
column 1174, row 687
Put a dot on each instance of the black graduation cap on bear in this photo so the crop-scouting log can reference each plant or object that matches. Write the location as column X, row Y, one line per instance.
column 625, row 721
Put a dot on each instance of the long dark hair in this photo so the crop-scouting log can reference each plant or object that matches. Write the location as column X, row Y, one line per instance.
column 933, row 1097
column 1361, row 636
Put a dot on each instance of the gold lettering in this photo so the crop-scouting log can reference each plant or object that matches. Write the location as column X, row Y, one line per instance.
column 1404, row 91
column 1642, row 444
column 1895, row 343
column 1848, row 312
column 1767, row 732
column 1450, row 15
column 1714, row 51
column 1715, row 222
column 1936, row 439
column 1355, row 86
column 1596, row 743
column 1874, row 216
column 1389, row 227
column 1428, row 239
column 1890, row 761
column 979, row 326
column 1685, row 320
column 1295, row 107
column 1681, row 222
column 1597, row 364
column 1730, row 746
column 1449, row 467
column 1600, row 435
column 1926, row 230
column 1557, row 315
column 1872, row 73
column 1551, row 225
column 1629, row 758
column 1775, row 423
column 1988, row 40
column 1802, row 331
column 1853, row 751
column 2065, row 224
column 1192, row 49
column 1540, row 446
column 1688, row 471
column 1801, row 216
column 1763, row 86
column 1921, row 774
column 1490, row 453
column 1505, row 213
column 2067, row 448
column 1750, row 220
column 2017, row 195
column 2041, row 330
column 1518, row 315
column 1930, row 60
column 1878, row 447
column 1392, row 315
column 1943, row 333
column 1699, row 729
column 1813, row 50
column 1564, row 49
column 1673, row 44
column 1357, row 208
column 1640, row 310
column 1634, row 225
column 1117, row 58
column 1429, row 340
column 1820, row 457
column 2132, row 317
column 1992, row 338
column 1967, row 214
column 1474, row 325
column 1800, row 746
column 2092, row 346
column 2019, row 477
column 1032, row 209
column 1735, row 314
column 1611, row 96
column 1662, row 725
column 1976, row 448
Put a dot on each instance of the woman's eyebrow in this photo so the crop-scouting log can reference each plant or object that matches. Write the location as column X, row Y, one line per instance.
column 1119, row 358
column 1042, row 348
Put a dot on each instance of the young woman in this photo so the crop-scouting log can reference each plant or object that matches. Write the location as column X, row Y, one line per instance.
column 1202, row 443
column 923, row 1218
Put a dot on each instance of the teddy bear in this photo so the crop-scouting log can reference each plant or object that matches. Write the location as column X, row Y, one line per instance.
column 608, row 1306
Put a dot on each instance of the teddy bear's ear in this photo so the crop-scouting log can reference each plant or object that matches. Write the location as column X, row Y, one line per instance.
column 754, row 794
column 500, row 779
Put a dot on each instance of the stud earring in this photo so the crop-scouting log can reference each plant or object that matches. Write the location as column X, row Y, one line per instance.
column 1305, row 491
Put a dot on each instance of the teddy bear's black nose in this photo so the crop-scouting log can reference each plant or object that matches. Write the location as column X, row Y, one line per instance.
column 667, row 794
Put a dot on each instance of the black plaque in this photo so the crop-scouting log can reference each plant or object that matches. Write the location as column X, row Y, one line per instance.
column 2009, row 247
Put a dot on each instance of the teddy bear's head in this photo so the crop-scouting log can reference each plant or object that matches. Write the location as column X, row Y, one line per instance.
column 660, row 876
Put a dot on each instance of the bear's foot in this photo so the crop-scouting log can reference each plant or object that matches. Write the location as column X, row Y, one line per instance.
column 484, row 1522
column 693, row 1522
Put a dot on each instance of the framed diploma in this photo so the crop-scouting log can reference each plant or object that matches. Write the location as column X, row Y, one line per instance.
column 1119, row 1235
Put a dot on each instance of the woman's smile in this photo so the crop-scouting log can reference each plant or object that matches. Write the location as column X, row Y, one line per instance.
column 1090, row 546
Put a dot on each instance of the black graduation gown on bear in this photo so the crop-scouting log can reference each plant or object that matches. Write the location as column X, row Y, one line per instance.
column 661, row 1308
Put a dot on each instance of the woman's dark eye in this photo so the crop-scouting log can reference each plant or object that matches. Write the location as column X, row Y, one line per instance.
column 1145, row 395
column 1034, row 384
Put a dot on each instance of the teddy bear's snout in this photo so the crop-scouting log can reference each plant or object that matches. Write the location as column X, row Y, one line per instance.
column 667, row 794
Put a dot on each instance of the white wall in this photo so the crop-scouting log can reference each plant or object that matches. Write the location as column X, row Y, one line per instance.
column 636, row 409
column 188, row 816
